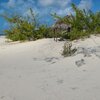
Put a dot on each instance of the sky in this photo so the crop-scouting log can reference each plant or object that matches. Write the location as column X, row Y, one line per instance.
column 43, row 8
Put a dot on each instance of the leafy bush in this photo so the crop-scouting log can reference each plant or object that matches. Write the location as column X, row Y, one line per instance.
column 22, row 28
column 97, row 30
column 76, row 34
column 16, row 36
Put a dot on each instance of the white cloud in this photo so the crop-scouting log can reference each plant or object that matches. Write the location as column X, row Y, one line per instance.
column 17, row 3
column 22, row 6
column 11, row 3
column 63, row 3
column 42, row 7
column 60, row 3
column 61, row 7
column 85, row 4
column 66, row 11
column 46, row 2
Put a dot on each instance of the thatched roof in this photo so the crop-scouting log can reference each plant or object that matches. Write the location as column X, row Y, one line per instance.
column 61, row 26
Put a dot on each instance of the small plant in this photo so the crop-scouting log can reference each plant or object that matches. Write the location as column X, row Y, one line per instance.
column 67, row 49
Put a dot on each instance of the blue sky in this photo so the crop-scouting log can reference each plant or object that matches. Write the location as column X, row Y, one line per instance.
column 43, row 8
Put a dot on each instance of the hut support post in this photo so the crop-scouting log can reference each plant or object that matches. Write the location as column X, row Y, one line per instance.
column 55, row 35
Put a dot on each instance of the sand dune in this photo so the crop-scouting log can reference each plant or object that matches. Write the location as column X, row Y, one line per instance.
column 37, row 71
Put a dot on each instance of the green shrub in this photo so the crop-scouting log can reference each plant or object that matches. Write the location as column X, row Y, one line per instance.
column 15, row 36
column 97, row 30
column 79, row 21
column 76, row 34
column 22, row 28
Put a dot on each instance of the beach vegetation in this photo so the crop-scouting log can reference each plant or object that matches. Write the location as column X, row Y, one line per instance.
column 79, row 24
column 25, row 28
column 68, row 50
column 82, row 23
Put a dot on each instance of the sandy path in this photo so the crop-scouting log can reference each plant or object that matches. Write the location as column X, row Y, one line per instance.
column 36, row 71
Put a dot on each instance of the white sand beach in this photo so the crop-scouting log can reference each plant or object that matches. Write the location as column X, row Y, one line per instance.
column 37, row 71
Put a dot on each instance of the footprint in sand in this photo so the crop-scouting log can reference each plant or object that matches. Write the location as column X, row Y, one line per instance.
column 51, row 59
column 74, row 88
column 2, row 97
column 60, row 81
column 80, row 63
column 97, row 55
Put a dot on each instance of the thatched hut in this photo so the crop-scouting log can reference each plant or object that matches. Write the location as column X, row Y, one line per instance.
column 60, row 26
